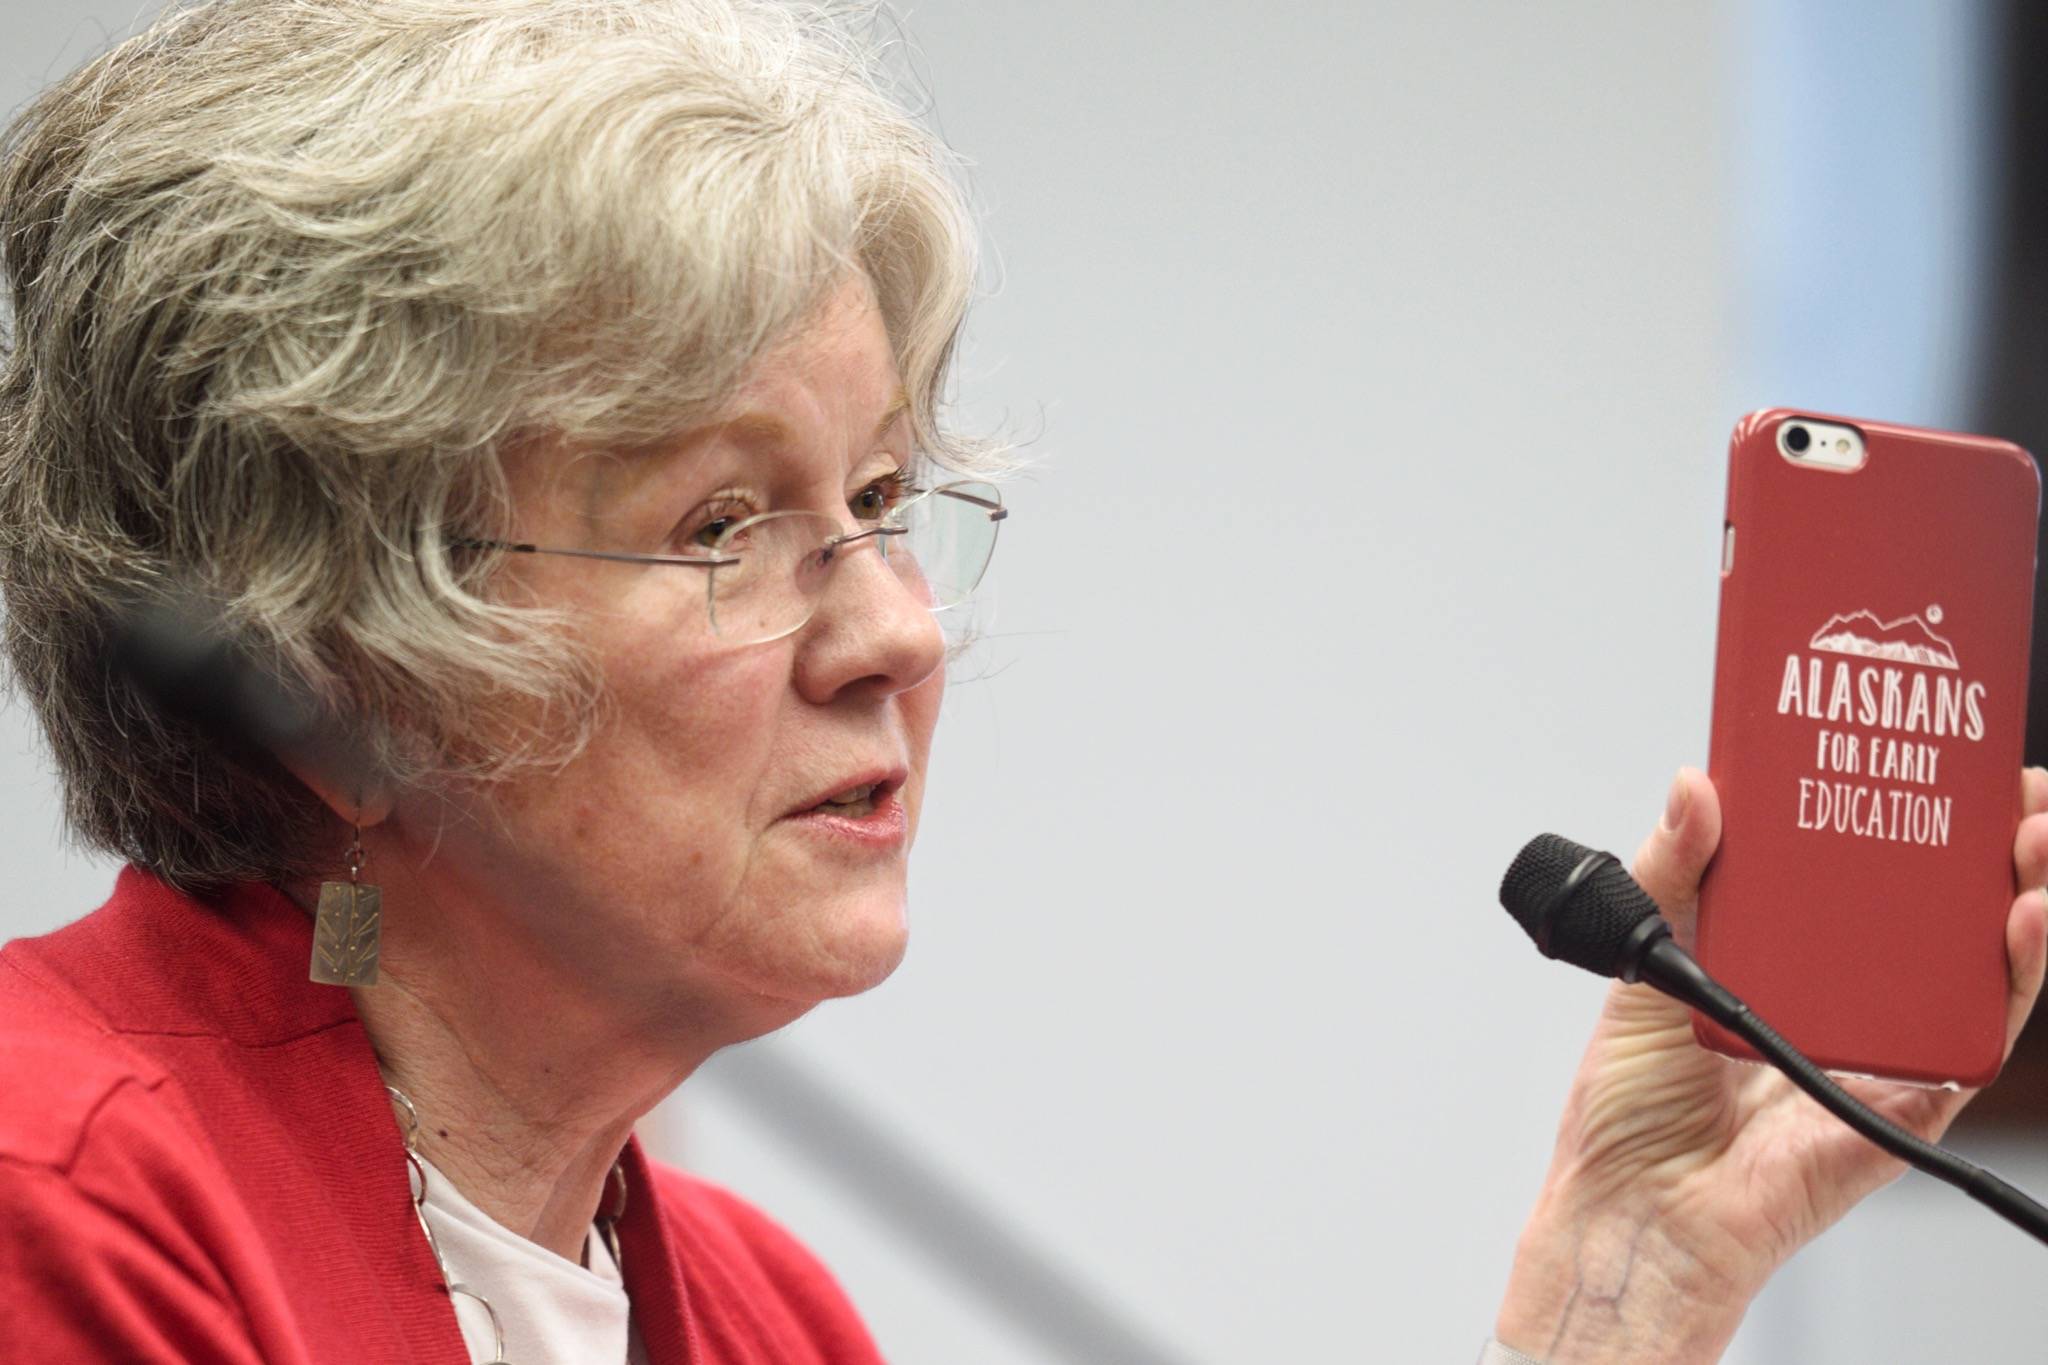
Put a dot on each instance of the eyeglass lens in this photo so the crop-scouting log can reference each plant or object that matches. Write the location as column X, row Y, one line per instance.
column 786, row 560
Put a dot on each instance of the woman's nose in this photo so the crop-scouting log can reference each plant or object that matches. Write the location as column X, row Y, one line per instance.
column 873, row 631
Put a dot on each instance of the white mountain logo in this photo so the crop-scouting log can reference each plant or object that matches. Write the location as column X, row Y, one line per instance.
column 1906, row 640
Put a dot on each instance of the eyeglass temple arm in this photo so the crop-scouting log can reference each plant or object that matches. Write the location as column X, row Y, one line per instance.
column 520, row 547
column 996, row 511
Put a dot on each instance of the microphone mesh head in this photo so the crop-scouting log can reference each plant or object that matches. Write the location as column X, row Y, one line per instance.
column 1589, row 927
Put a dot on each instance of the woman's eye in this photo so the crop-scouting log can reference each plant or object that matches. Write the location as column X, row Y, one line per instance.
column 704, row 528
column 874, row 502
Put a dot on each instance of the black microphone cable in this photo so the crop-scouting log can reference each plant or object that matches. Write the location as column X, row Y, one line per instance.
column 1582, row 907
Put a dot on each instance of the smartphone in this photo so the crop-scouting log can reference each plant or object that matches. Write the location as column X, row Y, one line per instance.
column 1870, row 697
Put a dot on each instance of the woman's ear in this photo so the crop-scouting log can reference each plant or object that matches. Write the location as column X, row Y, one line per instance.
column 355, row 803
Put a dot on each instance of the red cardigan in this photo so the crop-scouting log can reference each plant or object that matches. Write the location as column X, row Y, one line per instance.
column 198, row 1163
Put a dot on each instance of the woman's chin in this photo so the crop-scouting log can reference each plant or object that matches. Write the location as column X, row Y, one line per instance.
column 864, row 962
column 851, row 952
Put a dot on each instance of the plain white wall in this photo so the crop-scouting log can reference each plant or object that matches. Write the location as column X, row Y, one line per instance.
column 1380, row 355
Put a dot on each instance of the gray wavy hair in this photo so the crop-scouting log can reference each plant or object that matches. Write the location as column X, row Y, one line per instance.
column 287, row 275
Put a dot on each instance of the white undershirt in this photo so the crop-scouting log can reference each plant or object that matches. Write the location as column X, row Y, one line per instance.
column 552, row 1311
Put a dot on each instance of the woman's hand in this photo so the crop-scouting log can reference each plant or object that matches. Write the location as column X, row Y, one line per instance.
column 1680, row 1180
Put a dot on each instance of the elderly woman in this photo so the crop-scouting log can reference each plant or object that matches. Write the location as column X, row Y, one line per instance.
column 552, row 387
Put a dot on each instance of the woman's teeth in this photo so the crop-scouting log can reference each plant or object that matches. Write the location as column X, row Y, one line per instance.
column 857, row 801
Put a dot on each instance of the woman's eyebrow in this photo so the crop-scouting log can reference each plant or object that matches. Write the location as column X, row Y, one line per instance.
column 898, row 406
column 768, row 429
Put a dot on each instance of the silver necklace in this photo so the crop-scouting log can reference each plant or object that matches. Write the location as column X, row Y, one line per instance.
column 416, row 1179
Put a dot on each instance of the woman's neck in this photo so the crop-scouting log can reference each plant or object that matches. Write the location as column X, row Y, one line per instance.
column 528, row 1066
column 528, row 1136
column 527, row 1080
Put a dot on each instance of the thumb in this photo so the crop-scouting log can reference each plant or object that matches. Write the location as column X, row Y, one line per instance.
column 1672, row 860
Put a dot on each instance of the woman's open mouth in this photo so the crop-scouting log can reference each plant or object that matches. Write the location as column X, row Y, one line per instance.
column 855, row 802
column 867, row 813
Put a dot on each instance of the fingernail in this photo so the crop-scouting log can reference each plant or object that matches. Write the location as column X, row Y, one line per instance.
column 1675, row 804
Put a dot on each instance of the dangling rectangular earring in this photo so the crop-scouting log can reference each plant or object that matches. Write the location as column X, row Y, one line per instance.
column 347, row 928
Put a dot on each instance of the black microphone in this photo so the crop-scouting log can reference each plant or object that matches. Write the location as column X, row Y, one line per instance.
column 1580, row 906
column 178, row 651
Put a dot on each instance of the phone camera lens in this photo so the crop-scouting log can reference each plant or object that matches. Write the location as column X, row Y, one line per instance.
column 1797, row 439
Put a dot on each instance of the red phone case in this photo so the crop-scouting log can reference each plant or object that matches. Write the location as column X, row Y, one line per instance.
column 1870, row 697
